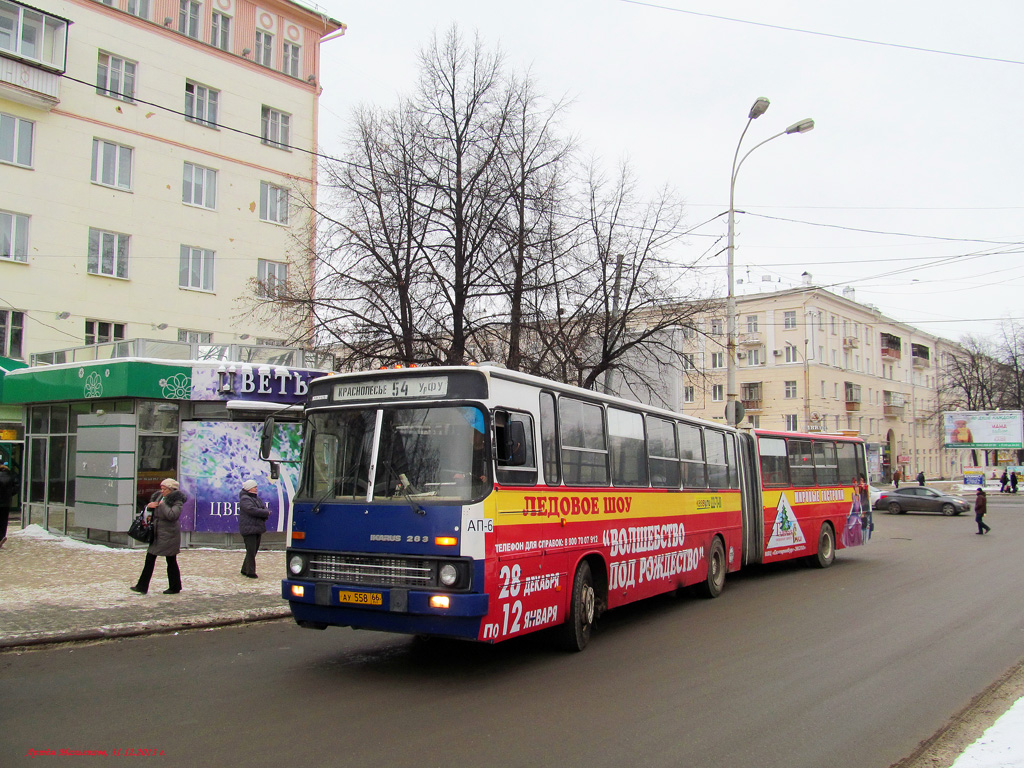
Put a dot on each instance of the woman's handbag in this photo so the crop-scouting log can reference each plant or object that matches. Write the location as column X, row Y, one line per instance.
column 141, row 529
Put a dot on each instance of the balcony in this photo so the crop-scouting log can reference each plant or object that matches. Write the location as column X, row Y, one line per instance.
column 889, row 353
column 751, row 405
column 894, row 411
column 852, row 405
column 32, row 56
column 750, row 340
column 850, row 342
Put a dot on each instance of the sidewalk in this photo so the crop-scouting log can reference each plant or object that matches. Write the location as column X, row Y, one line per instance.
column 54, row 589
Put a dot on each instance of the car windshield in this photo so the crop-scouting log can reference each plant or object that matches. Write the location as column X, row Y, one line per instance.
column 424, row 454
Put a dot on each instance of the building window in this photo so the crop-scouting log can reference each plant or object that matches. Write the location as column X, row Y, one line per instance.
column 220, row 33
column 195, row 337
column 790, row 390
column 199, row 186
column 273, row 276
column 108, row 253
column 12, row 324
column 188, row 18
column 791, row 353
column 751, row 323
column 716, row 327
column 276, row 128
column 273, row 203
column 754, row 357
column 31, row 34
column 791, row 422
column 687, row 394
column 688, row 364
column 102, row 331
column 115, row 77
column 201, row 104
column 718, row 360
column 718, row 392
column 195, row 270
column 111, row 164
column 755, row 420
column 13, row 236
column 789, row 319
column 16, row 140
column 139, row 8
column 290, row 60
column 264, row 48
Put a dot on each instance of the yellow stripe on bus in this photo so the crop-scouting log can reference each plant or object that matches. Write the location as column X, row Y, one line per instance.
column 514, row 507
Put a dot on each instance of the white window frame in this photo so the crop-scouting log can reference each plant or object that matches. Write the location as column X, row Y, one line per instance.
column 791, row 354
column 195, row 337
column 792, row 423
column 789, row 319
column 199, row 186
column 754, row 356
column 116, row 77
column 139, row 8
column 14, row 236
column 201, row 104
column 196, row 268
column 688, row 394
column 189, row 16
column 688, row 361
column 273, row 203
column 789, row 390
column 291, row 59
column 111, row 164
column 18, row 151
column 113, row 246
column 220, row 31
column 12, row 333
column 272, row 276
column 718, row 360
column 751, row 323
column 35, row 35
column 717, row 393
column 263, row 48
column 275, row 127
column 103, row 331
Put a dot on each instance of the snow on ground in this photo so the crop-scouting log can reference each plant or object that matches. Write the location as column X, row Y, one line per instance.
column 1001, row 746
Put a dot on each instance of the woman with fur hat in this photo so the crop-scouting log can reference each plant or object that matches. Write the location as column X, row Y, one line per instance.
column 252, row 524
column 164, row 509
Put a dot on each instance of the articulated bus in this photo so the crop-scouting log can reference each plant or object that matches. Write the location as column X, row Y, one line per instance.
column 480, row 503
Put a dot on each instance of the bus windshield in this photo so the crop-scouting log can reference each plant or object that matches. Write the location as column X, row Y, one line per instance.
column 422, row 453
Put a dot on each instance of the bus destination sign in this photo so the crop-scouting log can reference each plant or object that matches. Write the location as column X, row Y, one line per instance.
column 392, row 389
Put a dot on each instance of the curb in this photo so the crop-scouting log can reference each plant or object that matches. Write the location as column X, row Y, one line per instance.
column 113, row 631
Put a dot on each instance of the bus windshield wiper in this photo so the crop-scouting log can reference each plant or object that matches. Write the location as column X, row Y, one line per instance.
column 403, row 483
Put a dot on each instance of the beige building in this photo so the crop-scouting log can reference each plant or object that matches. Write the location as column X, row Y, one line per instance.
column 152, row 153
column 809, row 360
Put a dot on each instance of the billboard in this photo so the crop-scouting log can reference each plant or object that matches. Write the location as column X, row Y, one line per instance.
column 982, row 429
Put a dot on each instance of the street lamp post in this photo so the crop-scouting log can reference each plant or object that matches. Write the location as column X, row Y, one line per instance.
column 732, row 415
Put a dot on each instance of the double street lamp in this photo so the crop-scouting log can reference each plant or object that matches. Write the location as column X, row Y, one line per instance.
column 732, row 408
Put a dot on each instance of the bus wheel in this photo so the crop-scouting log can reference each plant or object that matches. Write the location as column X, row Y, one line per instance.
column 715, row 582
column 575, row 632
column 826, row 547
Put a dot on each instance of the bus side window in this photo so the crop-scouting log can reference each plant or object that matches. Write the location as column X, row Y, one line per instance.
column 691, row 456
column 663, row 458
column 851, row 462
column 718, row 469
column 549, row 439
column 584, row 448
column 626, row 448
column 774, row 464
column 825, row 463
column 733, row 461
column 801, row 462
column 519, row 467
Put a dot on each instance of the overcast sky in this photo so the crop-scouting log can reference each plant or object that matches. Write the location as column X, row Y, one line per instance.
column 921, row 148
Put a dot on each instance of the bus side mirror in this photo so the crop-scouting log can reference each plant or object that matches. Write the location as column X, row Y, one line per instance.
column 267, row 438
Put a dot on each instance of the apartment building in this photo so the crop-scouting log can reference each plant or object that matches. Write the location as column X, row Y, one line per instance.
column 152, row 156
column 810, row 360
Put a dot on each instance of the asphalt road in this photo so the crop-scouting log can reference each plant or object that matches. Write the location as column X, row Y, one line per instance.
column 852, row 666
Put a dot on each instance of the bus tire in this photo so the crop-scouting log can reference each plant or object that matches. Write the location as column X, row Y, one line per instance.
column 713, row 585
column 826, row 554
column 574, row 634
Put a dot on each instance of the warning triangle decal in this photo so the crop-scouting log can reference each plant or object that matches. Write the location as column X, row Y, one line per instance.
column 786, row 531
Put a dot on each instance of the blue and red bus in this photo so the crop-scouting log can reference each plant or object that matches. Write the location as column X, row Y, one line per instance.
column 480, row 503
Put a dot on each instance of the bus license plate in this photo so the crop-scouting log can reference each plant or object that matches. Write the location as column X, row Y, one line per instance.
column 361, row 598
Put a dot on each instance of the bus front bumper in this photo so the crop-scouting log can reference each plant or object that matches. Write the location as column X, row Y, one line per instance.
column 388, row 610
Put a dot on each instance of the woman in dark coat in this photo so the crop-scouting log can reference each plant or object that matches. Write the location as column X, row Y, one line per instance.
column 980, row 508
column 252, row 524
column 164, row 509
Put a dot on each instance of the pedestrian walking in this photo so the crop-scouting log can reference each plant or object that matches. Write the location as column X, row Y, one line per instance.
column 1013, row 482
column 1004, row 479
column 164, row 509
column 896, row 479
column 920, row 477
column 980, row 507
column 7, row 485
column 252, row 524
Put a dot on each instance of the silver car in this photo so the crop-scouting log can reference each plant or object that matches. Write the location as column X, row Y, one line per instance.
column 920, row 498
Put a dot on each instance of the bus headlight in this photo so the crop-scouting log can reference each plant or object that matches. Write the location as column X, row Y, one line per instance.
column 296, row 564
column 449, row 574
